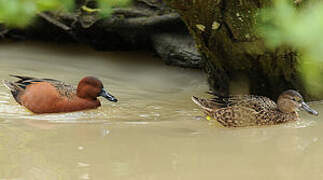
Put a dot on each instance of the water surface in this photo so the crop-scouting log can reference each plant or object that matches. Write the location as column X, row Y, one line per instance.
column 154, row 132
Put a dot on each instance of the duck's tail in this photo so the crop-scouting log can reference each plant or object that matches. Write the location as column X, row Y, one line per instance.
column 205, row 104
column 14, row 88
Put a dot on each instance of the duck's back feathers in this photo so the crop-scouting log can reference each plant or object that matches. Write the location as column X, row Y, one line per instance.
column 257, row 103
column 24, row 81
column 250, row 101
column 19, row 86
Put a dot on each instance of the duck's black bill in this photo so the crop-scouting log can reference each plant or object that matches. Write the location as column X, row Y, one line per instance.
column 308, row 109
column 108, row 96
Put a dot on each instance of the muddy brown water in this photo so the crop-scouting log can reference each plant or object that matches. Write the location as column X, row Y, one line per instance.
column 154, row 132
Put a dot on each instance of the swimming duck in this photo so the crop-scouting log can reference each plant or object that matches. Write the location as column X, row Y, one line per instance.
column 53, row 96
column 250, row 110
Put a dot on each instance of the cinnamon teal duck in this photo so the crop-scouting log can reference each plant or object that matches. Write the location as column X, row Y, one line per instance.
column 250, row 110
column 53, row 96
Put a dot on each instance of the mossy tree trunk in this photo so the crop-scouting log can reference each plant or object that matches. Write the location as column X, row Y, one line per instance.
column 224, row 31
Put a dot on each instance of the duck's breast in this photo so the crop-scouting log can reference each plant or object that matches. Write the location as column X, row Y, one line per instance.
column 43, row 97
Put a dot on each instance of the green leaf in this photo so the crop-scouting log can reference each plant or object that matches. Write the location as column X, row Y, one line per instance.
column 69, row 5
column 45, row 5
column 107, row 6
column 17, row 13
column 301, row 29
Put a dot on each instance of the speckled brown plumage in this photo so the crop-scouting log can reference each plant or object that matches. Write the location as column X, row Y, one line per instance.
column 250, row 110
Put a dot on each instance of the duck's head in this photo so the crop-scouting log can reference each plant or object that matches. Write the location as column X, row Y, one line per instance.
column 91, row 88
column 291, row 101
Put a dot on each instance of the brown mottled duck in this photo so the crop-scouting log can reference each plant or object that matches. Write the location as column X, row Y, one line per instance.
column 250, row 110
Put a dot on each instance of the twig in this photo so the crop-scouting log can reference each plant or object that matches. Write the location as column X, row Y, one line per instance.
column 54, row 21
column 128, row 12
column 147, row 2
column 142, row 22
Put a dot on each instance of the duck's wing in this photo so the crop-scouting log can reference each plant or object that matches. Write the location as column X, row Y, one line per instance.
column 206, row 104
column 63, row 89
column 218, row 102
column 26, row 80
column 257, row 103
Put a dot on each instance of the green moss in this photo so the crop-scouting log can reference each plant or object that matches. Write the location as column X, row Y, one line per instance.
column 235, row 46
